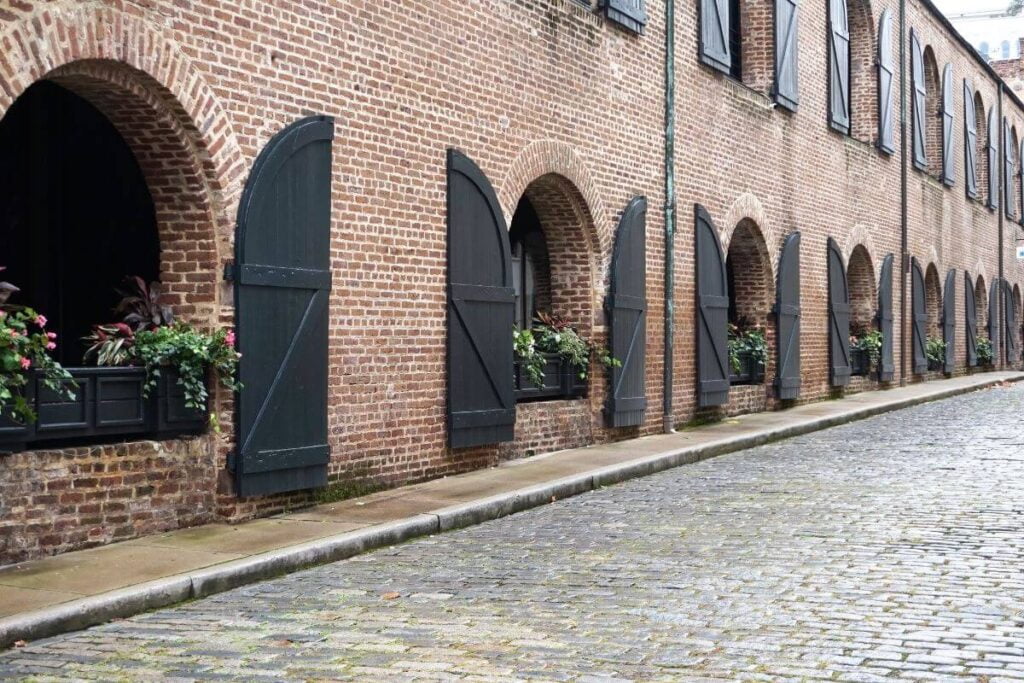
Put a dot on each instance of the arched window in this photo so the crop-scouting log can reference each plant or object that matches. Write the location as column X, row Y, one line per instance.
column 751, row 294
column 981, row 146
column 531, row 272
column 750, row 40
column 852, row 76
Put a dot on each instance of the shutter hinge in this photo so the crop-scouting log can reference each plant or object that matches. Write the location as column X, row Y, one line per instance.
column 232, row 458
column 230, row 271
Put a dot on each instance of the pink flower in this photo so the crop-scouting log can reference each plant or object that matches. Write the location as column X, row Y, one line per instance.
column 230, row 339
column 14, row 333
column 51, row 335
column 51, row 346
column 41, row 320
column 25, row 363
column 3, row 314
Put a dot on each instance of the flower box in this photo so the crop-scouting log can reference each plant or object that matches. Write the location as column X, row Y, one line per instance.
column 108, row 405
column 935, row 365
column 860, row 362
column 751, row 370
column 561, row 380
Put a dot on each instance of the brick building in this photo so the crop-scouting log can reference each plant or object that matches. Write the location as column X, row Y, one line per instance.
column 464, row 160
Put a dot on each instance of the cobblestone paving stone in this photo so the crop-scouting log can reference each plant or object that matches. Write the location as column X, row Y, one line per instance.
column 887, row 548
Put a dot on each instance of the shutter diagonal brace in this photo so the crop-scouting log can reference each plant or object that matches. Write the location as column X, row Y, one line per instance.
column 457, row 304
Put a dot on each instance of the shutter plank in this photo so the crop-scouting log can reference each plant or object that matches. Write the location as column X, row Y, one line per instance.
column 281, row 295
column 787, row 320
column 629, row 14
column 839, row 66
column 626, row 308
column 712, row 313
column 918, row 88
column 970, row 141
column 839, row 317
column 993, row 159
column 1011, row 324
column 887, row 371
column 886, row 71
column 714, row 34
column 993, row 320
column 971, row 322
column 949, row 320
column 919, row 311
column 1009, row 168
column 948, row 169
column 481, row 309
column 787, row 70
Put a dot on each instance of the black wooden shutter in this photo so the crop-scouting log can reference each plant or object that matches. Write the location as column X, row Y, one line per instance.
column 838, row 317
column 481, row 310
column 919, row 115
column 712, row 314
column 948, row 172
column 282, row 285
column 839, row 66
column 887, row 371
column 886, row 70
column 1010, row 318
column 949, row 320
column 627, row 318
column 971, row 320
column 993, row 159
column 993, row 320
column 919, row 310
column 714, row 34
column 787, row 69
column 970, row 141
column 787, row 320
column 629, row 14
column 1010, row 168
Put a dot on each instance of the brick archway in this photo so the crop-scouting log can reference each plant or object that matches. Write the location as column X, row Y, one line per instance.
column 860, row 273
column 748, row 208
column 161, row 105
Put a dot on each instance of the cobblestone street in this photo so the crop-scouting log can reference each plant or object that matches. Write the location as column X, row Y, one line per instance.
column 890, row 547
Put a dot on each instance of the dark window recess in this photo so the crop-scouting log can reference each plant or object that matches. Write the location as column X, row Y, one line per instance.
column 531, row 272
column 735, row 40
column 629, row 14
column 108, row 405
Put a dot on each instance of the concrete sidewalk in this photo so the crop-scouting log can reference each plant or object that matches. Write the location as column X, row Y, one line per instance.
column 83, row 588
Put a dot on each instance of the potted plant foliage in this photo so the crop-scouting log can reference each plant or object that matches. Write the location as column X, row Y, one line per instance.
column 984, row 352
column 935, row 352
column 552, row 359
column 748, row 354
column 865, row 351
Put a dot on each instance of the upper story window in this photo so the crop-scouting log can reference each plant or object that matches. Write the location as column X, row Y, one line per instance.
column 852, row 76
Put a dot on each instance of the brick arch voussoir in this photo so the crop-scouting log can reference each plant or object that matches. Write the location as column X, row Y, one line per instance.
column 748, row 207
column 860, row 236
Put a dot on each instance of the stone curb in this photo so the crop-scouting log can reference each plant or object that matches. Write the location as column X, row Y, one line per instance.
column 90, row 611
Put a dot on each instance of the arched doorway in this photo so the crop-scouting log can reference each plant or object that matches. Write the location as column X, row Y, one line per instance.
column 76, row 215
column 860, row 275
column 751, row 294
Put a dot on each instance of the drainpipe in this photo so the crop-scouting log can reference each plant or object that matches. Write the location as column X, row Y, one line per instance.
column 670, row 209
column 904, row 248
column 1001, row 211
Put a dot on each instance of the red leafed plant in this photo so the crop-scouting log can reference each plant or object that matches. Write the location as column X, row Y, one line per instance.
column 140, row 305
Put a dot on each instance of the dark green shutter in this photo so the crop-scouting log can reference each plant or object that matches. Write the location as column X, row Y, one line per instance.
column 629, row 14
column 712, row 314
column 949, row 321
column 838, row 317
column 481, row 310
column 714, row 34
column 282, row 286
column 839, row 66
column 948, row 171
column 887, row 371
column 971, row 322
column 993, row 159
column 787, row 320
column 918, row 92
column 1011, row 324
column 919, row 320
column 993, row 320
column 970, row 141
column 787, row 63
column 886, row 71
column 626, row 307
column 1009, row 169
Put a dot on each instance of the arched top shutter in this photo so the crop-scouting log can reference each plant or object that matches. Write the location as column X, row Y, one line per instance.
column 970, row 322
column 886, row 71
column 787, row 69
column 887, row 369
column 1009, row 169
column 919, row 311
column 787, row 320
column 839, row 66
column 714, row 34
column 918, row 89
column 627, row 318
column 949, row 320
column 993, row 319
column 712, row 314
column 1010, row 318
column 946, row 113
column 282, row 277
column 481, row 309
column 838, row 317
column 993, row 159
column 970, row 142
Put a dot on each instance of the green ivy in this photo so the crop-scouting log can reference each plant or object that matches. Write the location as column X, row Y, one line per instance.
column 532, row 345
column 984, row 351
column 935, row 350
column 750, row 342
column 869, row 341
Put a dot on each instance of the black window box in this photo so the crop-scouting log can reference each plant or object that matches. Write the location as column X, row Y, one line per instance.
column 860, row 363
column 561, row 380
column 751, row 370
column 108, row 406
column 935, row 366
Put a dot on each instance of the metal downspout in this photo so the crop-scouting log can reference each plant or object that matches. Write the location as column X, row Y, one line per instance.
column 904, row 248
column 670, row 210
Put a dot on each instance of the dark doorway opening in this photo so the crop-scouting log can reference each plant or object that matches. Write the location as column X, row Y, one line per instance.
column 76, row 216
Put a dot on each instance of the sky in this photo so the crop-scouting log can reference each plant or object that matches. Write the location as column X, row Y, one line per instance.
column 956, row 6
